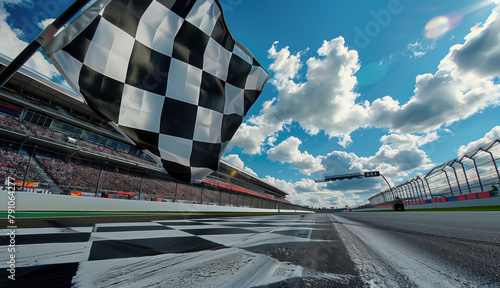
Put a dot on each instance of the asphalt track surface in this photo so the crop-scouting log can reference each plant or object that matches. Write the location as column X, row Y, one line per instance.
column 417, row 249
column 424, row 249
column 180, row 251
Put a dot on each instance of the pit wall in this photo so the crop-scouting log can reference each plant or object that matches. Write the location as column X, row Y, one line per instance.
column 25, row 202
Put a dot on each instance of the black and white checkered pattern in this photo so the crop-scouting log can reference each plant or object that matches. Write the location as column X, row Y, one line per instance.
column 103, row 254
column 167, row 73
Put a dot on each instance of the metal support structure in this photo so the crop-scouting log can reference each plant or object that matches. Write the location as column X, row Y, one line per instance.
column 71, row 156
column 99, row 178
column 477, row 172
column 201, row 195
column 140, row 189
column 21, row 146
column 410, row 191
column 175, row 192
column 423, row 186
column 456, row 178
column 447, row 180
column 40, row 40
column 492, row 160
column 403, row 192
column 27, row 169
column 417, row 189
column 428, row 186
column 465, row 176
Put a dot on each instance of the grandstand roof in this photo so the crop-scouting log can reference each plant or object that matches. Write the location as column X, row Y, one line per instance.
column 33, row 83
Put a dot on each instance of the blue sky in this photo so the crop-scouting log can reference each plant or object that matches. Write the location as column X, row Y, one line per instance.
column 398, row 86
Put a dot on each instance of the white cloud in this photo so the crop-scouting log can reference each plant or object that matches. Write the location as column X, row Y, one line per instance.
column 288, row 152
column 488, row 139
column 409, row 140
column 420, row 47
column 252, row 134
column 463, row 85
column 325, row 101
column 45, row 23
column 11, row 45
column 285, row 65
column 480, row 54
column 307, row 192
column 398, row 157
column 236, row 161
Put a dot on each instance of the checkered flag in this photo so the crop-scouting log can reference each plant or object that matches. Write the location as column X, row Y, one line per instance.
column 168, row 74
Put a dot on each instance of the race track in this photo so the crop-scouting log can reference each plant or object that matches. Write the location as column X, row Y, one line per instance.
column 424, row 249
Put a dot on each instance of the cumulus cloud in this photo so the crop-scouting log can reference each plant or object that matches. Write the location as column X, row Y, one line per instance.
column 488, row 139
column 408, row 140
column 11, row 45
column 44, row 23
column 480, row 54
column 398, row 156
column 307, row 192
column 325, row 101
column 285, row 65
column 288, row 152
column 463, row 86
column 236, row 161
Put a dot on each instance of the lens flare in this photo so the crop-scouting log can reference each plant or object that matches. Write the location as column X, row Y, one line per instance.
column 439, row 26
column 233, row 173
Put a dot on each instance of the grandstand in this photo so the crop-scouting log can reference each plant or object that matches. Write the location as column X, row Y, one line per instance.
column 52, row 142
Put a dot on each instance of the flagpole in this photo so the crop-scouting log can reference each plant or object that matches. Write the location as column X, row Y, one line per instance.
column 40, row 40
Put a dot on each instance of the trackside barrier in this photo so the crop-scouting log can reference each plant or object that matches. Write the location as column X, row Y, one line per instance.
column 486, row 194
column 439, row 200
column 473, row 196
column 384, row 206
column 464, row 178
column 28, row 202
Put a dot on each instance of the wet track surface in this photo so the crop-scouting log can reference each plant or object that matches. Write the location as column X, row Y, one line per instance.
column 317, row 250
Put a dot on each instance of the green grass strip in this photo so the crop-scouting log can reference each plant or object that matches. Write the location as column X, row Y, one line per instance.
column 43, row 214
column 465, row 209
column 447, row 209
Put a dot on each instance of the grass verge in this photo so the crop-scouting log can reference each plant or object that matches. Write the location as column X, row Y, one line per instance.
column 448, row 209
column 42, row 214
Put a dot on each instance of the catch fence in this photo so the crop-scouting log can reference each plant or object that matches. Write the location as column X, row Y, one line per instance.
column 474, row 172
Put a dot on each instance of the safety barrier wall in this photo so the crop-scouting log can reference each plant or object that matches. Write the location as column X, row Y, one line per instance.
column 62, row 203
column 465, row 178
column 63, row 172
column 446, row 202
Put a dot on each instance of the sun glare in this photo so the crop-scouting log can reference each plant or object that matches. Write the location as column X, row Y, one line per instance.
column 437, row 27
